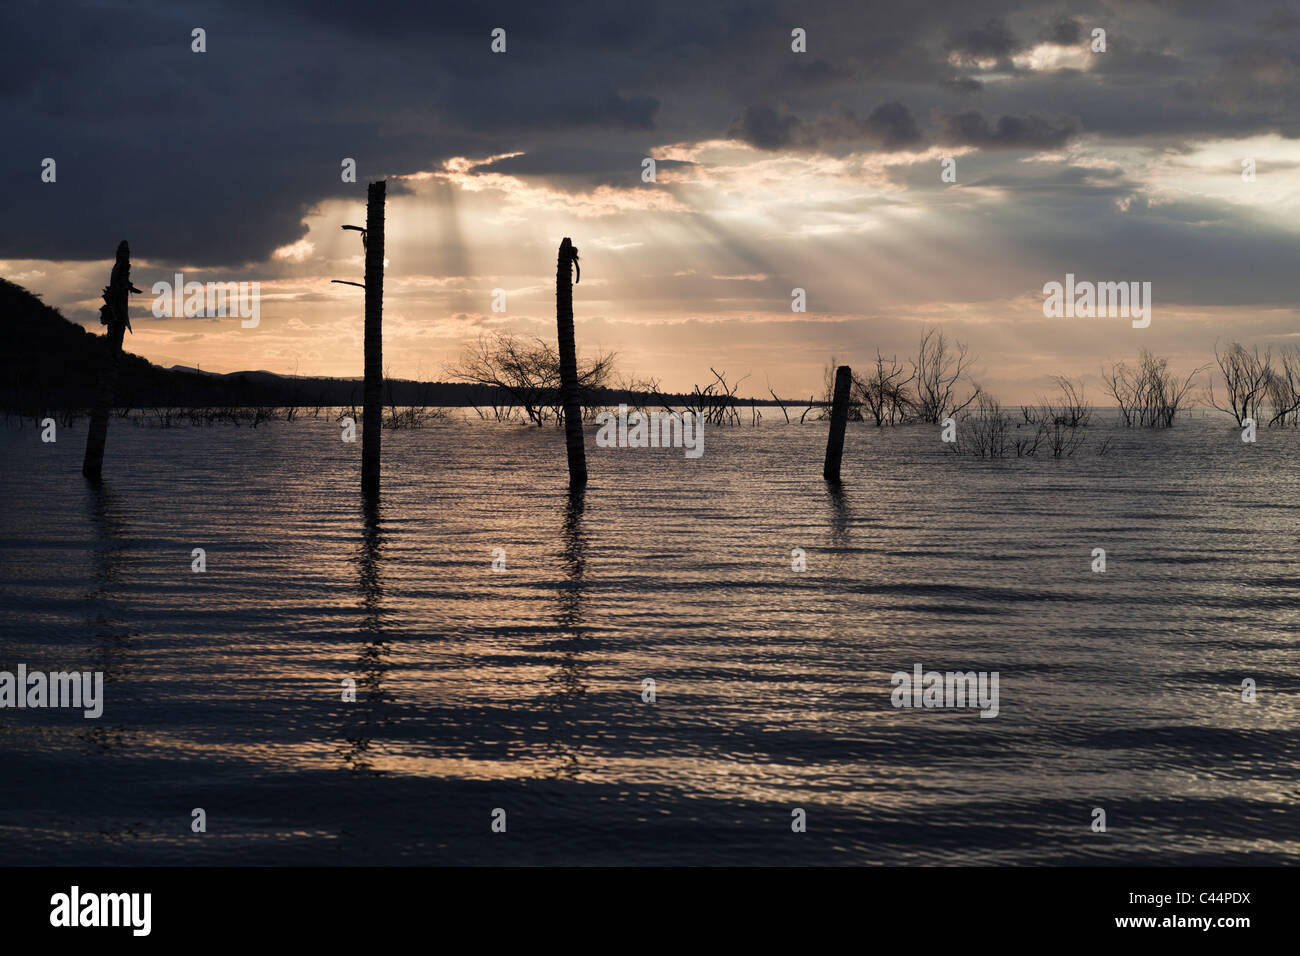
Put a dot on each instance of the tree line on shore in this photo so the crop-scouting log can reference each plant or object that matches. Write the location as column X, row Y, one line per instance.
column 49, row 369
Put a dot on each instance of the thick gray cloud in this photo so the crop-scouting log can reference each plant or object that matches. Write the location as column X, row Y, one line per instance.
column 972, row 128
column 1063, row 30
column 577, row 168
column 889, row 126
column 991, row 39
column 764, row 127
column 214, row 158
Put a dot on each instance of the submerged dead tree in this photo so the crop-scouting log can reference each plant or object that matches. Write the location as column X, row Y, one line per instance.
column 839, row 419
column 525, row 373
column 939, row 368
column 1149, row 395
column 1247, row 377
column 114, row 314
column 372, row 392
column 564, row 269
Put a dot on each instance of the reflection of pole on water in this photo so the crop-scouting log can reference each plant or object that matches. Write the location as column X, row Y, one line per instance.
column 569, row 678
column 372, row 662
column 111, row 649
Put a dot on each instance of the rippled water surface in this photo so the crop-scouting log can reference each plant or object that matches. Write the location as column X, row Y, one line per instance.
column 522, row 689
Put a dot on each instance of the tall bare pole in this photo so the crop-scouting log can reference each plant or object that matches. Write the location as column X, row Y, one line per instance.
column 114, row 313
column 373, row 391
column 567, row 262
column 839, row 418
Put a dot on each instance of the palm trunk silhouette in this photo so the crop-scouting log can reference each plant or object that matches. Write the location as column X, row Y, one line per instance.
column 567, row 262
column 114, row 314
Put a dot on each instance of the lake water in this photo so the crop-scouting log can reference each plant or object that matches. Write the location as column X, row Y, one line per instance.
column 522, row 689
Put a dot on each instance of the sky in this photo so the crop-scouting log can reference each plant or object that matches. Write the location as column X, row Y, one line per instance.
column 775, row 170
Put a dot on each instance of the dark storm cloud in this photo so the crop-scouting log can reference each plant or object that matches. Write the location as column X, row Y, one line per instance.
column 893, row 125
column 214, row 158
column 764, row 127
column 964, row 84
column 890, row 126
column 972, row 128
column 1064, row 31
column 571, row 168
column 805, row 72
column 992, row 39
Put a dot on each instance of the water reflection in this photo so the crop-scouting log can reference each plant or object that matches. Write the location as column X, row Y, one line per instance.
column 841, row 561
column 777, row 685
column 111, row 636
column 373, row 657
column 568, row 683
column 839, row 514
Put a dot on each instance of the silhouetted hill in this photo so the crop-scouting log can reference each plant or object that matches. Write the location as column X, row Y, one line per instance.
column 47, row 362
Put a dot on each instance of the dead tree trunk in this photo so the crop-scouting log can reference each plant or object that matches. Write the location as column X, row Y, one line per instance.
column 115, row 315
column 373, row 390
column 781, row 405
column 839, row 418
column 568, row 260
